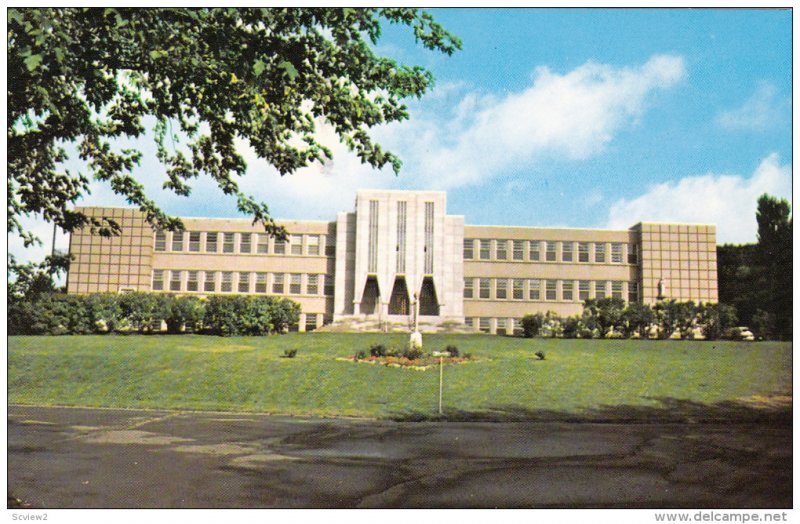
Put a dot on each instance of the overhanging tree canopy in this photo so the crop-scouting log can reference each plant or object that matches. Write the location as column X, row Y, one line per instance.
column 89, row 76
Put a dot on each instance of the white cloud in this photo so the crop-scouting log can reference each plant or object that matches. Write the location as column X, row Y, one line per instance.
column 758, row 112
column 729, row 201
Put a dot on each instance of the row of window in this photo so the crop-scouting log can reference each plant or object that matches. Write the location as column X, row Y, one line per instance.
column 503, row 326
column 550, row 251
column 541, row 289
column 186, row 280
column 243, row 243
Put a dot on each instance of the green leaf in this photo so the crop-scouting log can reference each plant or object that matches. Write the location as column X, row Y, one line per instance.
column 259, row 67
column 158, row 53
column 289, row 68
column 32, row 62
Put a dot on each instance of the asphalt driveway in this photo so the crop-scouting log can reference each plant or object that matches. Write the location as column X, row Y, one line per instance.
column 101, row 458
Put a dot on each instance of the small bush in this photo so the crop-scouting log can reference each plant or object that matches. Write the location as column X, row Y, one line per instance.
column 289, row 353
column 467, row 356
column 361, row 355
column 539, row 355
column 452, row 350
column 412, row 353
column 377, row 350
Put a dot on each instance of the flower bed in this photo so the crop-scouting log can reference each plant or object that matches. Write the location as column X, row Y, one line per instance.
column 419, row 364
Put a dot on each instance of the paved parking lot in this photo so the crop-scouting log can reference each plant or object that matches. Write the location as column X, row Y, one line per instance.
column 100, row 458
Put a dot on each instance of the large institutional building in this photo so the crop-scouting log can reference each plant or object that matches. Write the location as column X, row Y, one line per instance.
column 398, row 250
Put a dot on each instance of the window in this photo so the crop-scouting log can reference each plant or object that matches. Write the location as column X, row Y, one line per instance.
column 227, row 242
column 312, row 285
column 158, row 280
column 633, row 291
column 194, row 241
column 296, row 243
column 468, row 288
column 295, row 283
column 550, row 290
column 469, row 245
column 501, row 289
column 191, row 282
column 245, row 243
column 566, row 251
column 502, row 250
column 428, row 262
column 469, row 322
column 177, row 240
column 227, row 282
column 330, row 249
column 567, row 287
column 583, row 290
column 518, row 287
column 402, row 229
column 261, row 282
column 262, row 243
column 210, row 282
column 311, row 321
column 501, row 326
column 313, row 245
column 372, row 237
column 484, row 324
column 550, row 251
column 485, row 250
column 616, row 253
column 329, row 285
column 244, row 282
column 485, row 285
column 632, row 254
column 519, row 250
column 599, row 253
column 534, row 289
column 583, row 251
column 533, row 250
column 616, row 289
column 600, row 289
column 175, row 280
column 211, row 242
column 280, row 247
column 518, row 326
column 161, row 241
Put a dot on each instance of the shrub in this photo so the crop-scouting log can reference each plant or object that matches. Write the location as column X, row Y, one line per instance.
column 289, row 353
column 452, row 350
column 412, row 353
column 467, row 356
column 181, row 312
column 377, row 350
column 361, row 355
column 539, row 355
column 532, row 324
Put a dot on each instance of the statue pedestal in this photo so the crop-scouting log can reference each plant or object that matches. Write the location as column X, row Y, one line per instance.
column 415, row 340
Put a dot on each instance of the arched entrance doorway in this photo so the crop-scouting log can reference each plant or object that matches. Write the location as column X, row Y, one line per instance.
column 428, row 303
column 398, row 302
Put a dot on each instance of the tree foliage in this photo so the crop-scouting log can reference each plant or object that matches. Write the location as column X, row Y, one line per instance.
column 209, row 77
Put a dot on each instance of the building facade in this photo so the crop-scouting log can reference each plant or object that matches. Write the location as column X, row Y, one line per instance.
column 396, row 251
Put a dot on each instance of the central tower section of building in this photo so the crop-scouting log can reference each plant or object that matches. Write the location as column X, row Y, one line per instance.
column 397, row 249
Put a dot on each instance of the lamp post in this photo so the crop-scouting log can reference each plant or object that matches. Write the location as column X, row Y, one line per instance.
column 415, row 340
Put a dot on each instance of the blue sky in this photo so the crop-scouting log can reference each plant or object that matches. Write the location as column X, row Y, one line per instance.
column 565, row 117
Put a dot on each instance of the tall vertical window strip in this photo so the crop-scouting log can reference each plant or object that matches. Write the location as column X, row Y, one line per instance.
column 566, row 251
column 550, row 290
column 519, row 250
column 616, row 253
column 428, row 238
column 330, row 284
column 227, row 242
column 550, row 251
column 533, row 250
column 312, row 284
column 534, row 289
column 158, row 280
column 633, row 291
column 194, row 241
column 191, row 282
column 372, row 263
column 485, row 253
column 210, row 282
column 600, row 289
column 313, row 244
column 468, row 288
column 261, row 282
column 633, row 257
column 244, row 282
column 485, row 288
column 583, row 290
column 227, row 281
column 583, row 251
column 295, row 283
column 469, row 245
column 518, row 289
column 401, row 237
column 177, row 240
column 567, row 287
column 502, row 250
column 161, row 241
column 245, row 243
column 501, row 289
column 600, row 252
column 262, row 243
column 211, row 242
column 616, row 289
column 175, row 280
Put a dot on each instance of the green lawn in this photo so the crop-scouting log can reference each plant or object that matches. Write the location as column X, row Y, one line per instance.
column 248, row 373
